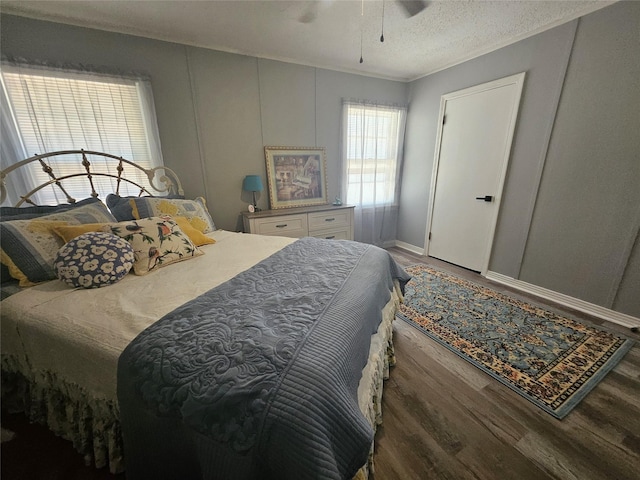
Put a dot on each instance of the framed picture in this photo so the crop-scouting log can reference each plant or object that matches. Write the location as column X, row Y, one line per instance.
column 296, row 176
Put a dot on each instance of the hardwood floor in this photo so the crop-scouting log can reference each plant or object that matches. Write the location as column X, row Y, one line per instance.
column 443, row 419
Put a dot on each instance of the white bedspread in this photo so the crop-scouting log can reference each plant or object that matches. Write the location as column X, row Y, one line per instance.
column 41, row 325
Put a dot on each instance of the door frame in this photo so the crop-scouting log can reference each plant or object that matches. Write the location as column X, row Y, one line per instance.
column 518, row 81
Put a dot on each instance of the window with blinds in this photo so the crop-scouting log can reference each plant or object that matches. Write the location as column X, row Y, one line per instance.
column 53, row 109
column 372, row 135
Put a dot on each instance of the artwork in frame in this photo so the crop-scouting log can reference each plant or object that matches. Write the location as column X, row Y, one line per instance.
column 296, row 176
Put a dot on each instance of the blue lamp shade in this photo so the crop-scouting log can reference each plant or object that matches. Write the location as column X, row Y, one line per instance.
column 252, row 183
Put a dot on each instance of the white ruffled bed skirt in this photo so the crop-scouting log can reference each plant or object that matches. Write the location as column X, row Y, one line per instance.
column 93, row 426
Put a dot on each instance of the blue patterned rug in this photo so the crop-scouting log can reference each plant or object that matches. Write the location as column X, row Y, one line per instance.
column 549, row 359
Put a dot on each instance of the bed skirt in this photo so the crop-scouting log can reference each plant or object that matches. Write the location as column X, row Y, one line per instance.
column 92, row 424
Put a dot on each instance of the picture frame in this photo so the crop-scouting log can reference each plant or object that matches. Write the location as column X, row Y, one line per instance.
column 296, row 176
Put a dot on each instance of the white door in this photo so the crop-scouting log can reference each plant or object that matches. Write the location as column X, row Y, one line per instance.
column 474, row 143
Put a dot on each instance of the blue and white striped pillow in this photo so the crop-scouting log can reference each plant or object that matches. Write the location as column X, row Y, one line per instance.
column 29, row 246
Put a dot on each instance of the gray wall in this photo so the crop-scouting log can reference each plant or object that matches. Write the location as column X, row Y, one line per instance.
column 571, row 205
column 587, row 212
column 216, row 111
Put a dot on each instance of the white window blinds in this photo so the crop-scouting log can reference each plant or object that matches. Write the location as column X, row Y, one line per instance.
column 53, row 109
column 373, row 136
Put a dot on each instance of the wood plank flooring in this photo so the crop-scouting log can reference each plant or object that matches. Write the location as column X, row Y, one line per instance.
column 445, row 419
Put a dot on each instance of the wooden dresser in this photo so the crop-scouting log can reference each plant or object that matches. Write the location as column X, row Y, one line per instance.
column 322, row 221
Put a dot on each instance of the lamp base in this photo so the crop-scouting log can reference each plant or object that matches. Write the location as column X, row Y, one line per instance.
column 255, row 204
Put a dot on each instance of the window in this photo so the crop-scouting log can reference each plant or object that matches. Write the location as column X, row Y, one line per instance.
column 372, row 147
column 48, row 109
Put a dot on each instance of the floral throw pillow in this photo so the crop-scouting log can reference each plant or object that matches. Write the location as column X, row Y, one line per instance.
column 194, row 210
column 93, row 260
column 156, row 242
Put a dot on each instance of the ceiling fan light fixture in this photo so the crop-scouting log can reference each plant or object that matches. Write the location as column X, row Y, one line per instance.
column 413, row 7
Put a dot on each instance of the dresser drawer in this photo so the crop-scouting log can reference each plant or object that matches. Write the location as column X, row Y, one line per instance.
column 331, row 219
column 285, row 225
column 333, row 234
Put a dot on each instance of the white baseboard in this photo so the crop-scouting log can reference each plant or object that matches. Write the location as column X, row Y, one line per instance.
column 409, row 247
column 566, row 300
column 389, row 243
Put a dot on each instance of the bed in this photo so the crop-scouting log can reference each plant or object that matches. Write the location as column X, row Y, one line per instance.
column 258, row 357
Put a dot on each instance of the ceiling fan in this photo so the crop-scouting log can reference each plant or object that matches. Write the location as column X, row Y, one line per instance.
column 410, row 8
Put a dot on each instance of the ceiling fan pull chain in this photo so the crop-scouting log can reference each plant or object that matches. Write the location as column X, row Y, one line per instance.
column 361, row 28
column 382, row 34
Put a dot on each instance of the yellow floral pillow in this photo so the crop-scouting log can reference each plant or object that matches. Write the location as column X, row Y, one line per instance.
column 156, row 242
column 193, row 210
column 194, row 234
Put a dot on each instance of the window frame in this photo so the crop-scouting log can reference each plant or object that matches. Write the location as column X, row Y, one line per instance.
column 381, row 157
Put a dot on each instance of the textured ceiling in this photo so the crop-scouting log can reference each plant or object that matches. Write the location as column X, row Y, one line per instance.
column 325, row 33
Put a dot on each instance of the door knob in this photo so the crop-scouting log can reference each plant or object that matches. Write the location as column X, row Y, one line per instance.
column 486, row 198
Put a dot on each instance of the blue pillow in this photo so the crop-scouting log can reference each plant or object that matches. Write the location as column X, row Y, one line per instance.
column 28, row 247
column 34, row 211
column 121, row 208
column 93, row 260
column 5, row 276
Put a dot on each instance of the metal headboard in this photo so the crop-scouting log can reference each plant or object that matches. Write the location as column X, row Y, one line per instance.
column 161, row 179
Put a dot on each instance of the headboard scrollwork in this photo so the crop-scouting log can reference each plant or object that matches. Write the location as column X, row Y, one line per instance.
column 162, row 180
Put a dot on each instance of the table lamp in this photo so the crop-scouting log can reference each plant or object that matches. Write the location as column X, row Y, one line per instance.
column 253, row 183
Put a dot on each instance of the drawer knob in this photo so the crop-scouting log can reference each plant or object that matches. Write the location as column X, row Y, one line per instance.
column 329, row 219
column 282, row 225
column 330, row 237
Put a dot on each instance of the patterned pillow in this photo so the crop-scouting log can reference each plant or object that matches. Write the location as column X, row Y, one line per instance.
column 29, row 246
column 194, row 234
column 33, row 211
column 69, row 232
column 94, row 259
column 156, row 242
column 121, row 208
column 194, row 210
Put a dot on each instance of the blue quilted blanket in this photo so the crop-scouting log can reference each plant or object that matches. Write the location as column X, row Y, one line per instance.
column 258, row 378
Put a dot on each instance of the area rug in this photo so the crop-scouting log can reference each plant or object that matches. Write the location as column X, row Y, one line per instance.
column 550, row 360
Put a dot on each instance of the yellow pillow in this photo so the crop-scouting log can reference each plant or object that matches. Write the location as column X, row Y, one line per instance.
column 193, row 233
column 69, row 232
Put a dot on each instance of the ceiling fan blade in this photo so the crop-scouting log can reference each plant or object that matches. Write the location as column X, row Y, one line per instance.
column 309, row 14
column 312, row 8
column 413, row 7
